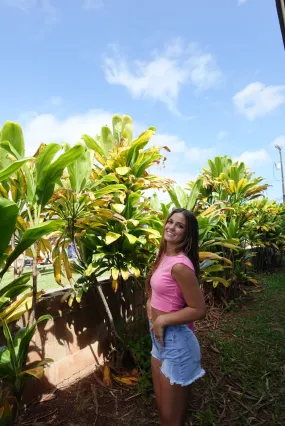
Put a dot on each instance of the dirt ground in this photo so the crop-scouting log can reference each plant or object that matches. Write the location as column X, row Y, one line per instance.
column 90, row 402
column 241, row 387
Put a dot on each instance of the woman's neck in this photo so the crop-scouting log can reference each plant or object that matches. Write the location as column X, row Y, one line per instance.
column 171, row 250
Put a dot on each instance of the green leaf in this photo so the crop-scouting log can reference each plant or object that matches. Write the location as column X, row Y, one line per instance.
column 18, row 282
column 12, row 168
column 106, row 178
column 10, row 149
column 127, row 129
column 192, row 198
column 138, row 144
column 174, row 198
column 117, row 127
column 92, row 144
column 109, row 189
column 80, row 170
column 106, row 140
column 45, row 157
column 8, row 218
column 111, row 237
column 52, row 172
column 30, row 237
column 13, row 133
column 9, row 342
column 150, row 231
column 27, row 337
column 98, row 256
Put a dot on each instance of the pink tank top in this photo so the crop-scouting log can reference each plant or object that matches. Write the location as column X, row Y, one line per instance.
column 166, row 294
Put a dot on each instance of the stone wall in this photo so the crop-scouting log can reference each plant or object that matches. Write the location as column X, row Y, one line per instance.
column 77, row 338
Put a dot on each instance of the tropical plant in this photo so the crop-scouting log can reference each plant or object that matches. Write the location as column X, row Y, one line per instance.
column 228, row 181
column 32, row 188
column 13, row 358
column 107, row 214
column 233, row 226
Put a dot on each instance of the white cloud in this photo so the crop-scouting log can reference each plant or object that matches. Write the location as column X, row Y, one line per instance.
column 280, row 141
column 50, row 12
column 182, row 163
column 240, row 2
column 257, row 100
column 253, row 158
column 200, row 155
column 46, row 128
column 177, row 146
column 93, row 4
column 162, row 77
column 172, row 142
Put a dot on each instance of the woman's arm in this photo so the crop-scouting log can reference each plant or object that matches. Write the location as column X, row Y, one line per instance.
column 148, row 308
column 196, row 308
column 192, row 293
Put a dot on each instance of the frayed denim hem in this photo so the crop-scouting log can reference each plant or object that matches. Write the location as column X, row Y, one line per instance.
column 199, row 376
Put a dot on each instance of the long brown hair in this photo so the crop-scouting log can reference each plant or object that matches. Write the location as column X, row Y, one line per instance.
column 189, row 246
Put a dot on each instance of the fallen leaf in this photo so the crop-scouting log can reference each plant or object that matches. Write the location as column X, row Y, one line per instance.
column 107, row 376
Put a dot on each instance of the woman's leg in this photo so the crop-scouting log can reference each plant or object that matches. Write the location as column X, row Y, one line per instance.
column 156, row 373
column 174, row 400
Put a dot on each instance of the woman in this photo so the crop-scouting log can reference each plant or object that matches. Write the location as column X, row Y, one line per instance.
column 175, row 300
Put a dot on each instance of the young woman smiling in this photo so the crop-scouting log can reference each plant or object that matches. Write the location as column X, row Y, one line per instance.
column 175, row 302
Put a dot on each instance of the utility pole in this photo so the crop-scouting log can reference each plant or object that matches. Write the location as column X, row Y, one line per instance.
column 282, row 171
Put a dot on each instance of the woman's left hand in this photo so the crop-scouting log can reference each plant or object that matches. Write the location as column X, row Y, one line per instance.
column 158, row 329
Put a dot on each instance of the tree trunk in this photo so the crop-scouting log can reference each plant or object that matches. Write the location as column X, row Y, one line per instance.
column 114, row 333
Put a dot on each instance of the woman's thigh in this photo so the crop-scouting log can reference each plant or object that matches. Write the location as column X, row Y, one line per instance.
column 156, row 373
column 174, row 400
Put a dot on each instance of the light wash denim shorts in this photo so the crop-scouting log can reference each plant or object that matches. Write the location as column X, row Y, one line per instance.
column 180, row 356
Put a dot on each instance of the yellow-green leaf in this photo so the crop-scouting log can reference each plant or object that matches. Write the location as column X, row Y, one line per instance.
column 115, row 285
column 125, row 274
column 115, row 273
column 137, row 272
column 132, row 239
column 35, row 372
column 122, row 171
column 71, row 299
column 150, row 231
column 218, row 279
column 118, row 207
column 111, row 237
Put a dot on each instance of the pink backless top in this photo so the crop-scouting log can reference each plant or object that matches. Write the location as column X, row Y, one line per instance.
column 166, row 294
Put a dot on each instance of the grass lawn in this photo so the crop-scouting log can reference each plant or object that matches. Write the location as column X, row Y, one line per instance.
column 245, row 384
column 46, row 279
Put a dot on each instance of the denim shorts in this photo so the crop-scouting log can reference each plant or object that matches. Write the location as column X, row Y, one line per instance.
column 180, row 356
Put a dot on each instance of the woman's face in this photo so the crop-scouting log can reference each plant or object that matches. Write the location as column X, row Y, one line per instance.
column 175, row 229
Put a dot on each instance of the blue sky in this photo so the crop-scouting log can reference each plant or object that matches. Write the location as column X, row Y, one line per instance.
column 208, row 75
